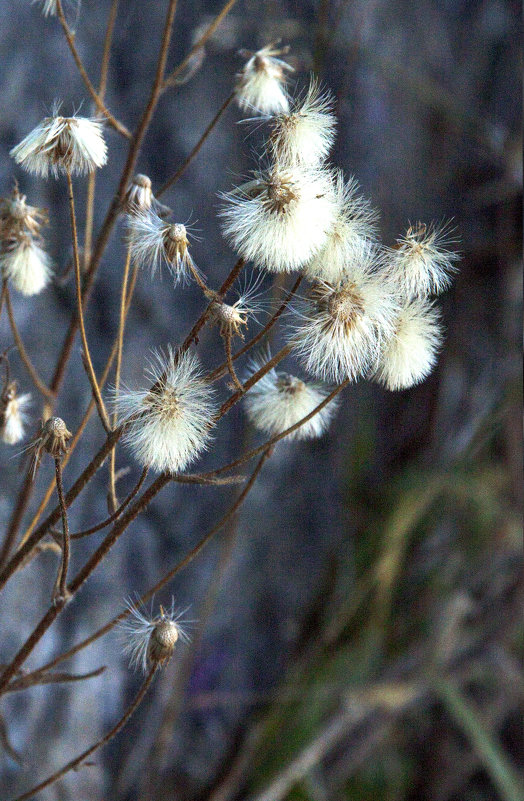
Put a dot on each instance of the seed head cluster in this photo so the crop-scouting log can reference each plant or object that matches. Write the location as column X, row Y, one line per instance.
column 23, row 259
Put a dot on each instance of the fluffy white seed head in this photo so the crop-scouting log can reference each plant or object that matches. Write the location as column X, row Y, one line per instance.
column 343, row 327
column 280, row 400
column 411, row 353
column 13, row 414
column 25, row 264
column 60, row 145
column 18, row 217
column 353, row 228
column 168, row 423
column 305, row 134
column 150, row 641
column 139, row 195
column 422, row 263
column 281, row 218
column 155, row 242
column 261, row 85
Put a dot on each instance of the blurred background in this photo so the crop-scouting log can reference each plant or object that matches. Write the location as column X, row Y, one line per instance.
column 358, row 629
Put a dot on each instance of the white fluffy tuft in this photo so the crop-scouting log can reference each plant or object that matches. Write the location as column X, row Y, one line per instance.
column 26, row 265
column 13, row 419
column 422, row 263
column 261, row 83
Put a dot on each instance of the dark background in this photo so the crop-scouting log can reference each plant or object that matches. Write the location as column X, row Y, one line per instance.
column 388, row 551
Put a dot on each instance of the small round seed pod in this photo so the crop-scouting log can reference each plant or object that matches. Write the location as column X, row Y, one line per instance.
column 150, row 642
column 162, row 641
column 54, row 436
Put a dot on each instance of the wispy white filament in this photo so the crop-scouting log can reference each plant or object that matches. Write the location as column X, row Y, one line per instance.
column 422, row 263
column 168, row 427
column 155, row 242
column 137, row 628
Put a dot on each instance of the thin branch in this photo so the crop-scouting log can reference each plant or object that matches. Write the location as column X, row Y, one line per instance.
column 118, row 126
column 41, row 677
column 195, row 151
column 171, row 79
column 80, row 311
column 37, row 381
column 75, row 763
column 227, row 348
column 61, row 584
column 2, row 295
column 116, row 514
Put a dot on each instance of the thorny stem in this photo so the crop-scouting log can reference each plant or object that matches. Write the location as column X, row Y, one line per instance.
column 192, row 155
column 80, row 311
column 61, row 583
column 37, row 381
column 118, row 126
column 119, row 351
column 168, row 576
column 75, row 763
column 172, row 78
column 227, row 348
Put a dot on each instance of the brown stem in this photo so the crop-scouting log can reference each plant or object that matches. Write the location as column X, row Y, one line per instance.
column 32, row 679
column 106, row 54
column 75, row 763
column 2, row 295
column 37, row 381
column 118, row 126
column 171, row 79
column 226, row 406
column 116, row 514
column 192, row 155
column 61, row 583
column 80, row 311
column 167, row 576
column 227, row 348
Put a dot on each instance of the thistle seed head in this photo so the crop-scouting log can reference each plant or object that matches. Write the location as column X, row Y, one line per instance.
column 261, row 85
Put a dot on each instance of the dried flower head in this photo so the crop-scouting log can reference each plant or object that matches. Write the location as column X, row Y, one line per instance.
column 139, row 195
column 353, row 227
column 155, row 242
column 61, row 145
column 25, row 264
column 233, row 317
column 54, row 436
column 168, row 424
column 411, row 353
column 150, row 642
column 261, row 84
column 279, row 400
column 17, row 217
column 13, row 414
column 344, row 326
column 281, row 218
column 305, row 134
column 422, row 263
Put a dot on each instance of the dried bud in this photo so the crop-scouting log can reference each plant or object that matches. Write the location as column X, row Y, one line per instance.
column 17, row 217
column 150, row 642
column 54, row 436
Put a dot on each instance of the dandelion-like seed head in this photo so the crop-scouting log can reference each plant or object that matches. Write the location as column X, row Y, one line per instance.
column 13, row 414
column 18, row 217
column 280, row 400
column 411, row 353
column 25, row 264
column 168, row 425
column 354, row 227
column 155, row 242
column 422, row 263
column 305, row 134
column 59, row 144
column 281, row 218
column 150, row 641
column 342, row 327
column 261, row 84
column 139, row 195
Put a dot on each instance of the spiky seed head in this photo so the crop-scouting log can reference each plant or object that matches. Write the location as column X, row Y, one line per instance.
column 280, row 400
column 305, row 134
column 13, row 414
column 411, row 353
column 151, row 641
column 17, row 217
column 61, row 145
column 25, row 264
column 354, row 227
column 342, row 327
column 422, row 263
column 154, row 242
column 281, row 219
column 260, row 86
column 54, row 436
column 168, row 424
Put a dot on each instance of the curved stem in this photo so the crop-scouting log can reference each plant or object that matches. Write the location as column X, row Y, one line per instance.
column 80, row 311
column 229, row 361
column 75, row 763
column 192, row 155
column 134, row 492
column 118, row 126
column 37, row 381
